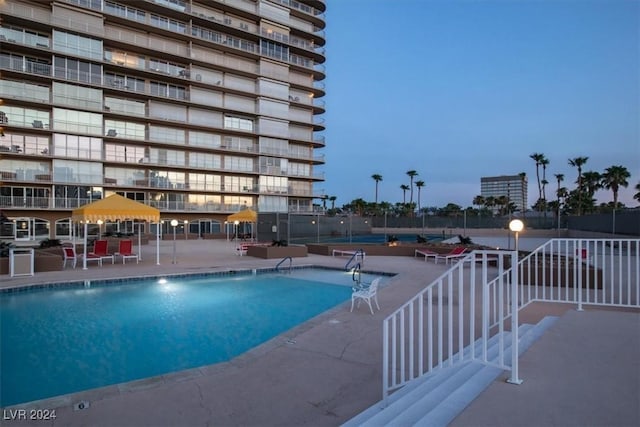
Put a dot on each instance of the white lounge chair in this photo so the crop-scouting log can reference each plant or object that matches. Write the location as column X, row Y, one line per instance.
column 366, row 295
column 426, row 253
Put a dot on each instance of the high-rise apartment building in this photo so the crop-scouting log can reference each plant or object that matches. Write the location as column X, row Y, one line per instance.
column 513, row 187
column 197, row 107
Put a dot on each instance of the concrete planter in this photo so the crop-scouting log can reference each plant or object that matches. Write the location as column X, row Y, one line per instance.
column 559, row 275
column 269, row 252
column 45, row 260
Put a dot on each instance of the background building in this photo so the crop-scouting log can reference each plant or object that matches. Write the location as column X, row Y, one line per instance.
column 513, row 187
column 197, row 107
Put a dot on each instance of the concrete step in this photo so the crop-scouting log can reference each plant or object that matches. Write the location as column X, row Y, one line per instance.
column 438, row 397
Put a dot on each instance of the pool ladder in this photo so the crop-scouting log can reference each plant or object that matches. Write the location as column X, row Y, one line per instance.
column 282, row 261
column 356, row 276
column 358, row 254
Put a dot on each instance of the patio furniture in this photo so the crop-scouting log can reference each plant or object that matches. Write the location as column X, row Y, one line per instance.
column 456, row 253
column 125, row 251
column 366, row 294
column 426, row 253
column 70, row 255
column 100, row 249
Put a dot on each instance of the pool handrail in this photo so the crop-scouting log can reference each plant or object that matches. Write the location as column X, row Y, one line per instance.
column 356, row 254
column 282, row 261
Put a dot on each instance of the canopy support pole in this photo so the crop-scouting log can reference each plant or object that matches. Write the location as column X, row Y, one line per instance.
column 84, row 250
column 139, row 243
column 158, row 243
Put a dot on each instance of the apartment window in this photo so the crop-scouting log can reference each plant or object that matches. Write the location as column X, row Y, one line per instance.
column 299, row 169
column 126, row 106
column 161, row 156
column 23, row 90
column 205, row 182
column 91, row 4
column 76, row 45
column 77, row 96
column 167, row 67
column 124, row 11
column 274, row 50
column 23, row 36
column 239, row 164
column 77, row 171
column 24, row 170
column 174, row 4
column 273, row 165
column 80, row 71
column 27, row 144
column 203, row 139
column 239, row 123
column 274, row 184
column 123, row 176
column 205, row 161
column 79, row 147
column 74, row 121
column 166, row 134
column 125, row 153
column 168, row 90
column 20, row 116
column 121, row 81
column 168, row 23
column 123, row 129
column 125, row 59
column 203, row 33
column 238, row 183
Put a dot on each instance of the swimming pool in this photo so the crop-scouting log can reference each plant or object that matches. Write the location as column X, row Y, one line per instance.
column 66, row 340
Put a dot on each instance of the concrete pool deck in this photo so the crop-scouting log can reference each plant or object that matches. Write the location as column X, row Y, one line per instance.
column 326, row 371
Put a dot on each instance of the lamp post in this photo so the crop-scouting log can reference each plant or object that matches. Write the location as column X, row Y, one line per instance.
column 174, row 224
column 99, row 228
column 236, row 223
column 516, row 226
column 186, row 232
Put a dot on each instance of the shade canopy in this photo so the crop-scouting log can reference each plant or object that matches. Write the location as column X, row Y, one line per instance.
column 114, row 208
column 246, row 215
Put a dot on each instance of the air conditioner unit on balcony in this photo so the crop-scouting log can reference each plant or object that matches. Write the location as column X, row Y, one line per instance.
column 198, row 77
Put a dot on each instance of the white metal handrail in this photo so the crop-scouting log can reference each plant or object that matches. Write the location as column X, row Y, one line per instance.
column 433, row 329
column 454, row 317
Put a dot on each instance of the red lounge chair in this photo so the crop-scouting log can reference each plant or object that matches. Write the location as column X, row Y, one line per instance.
column 124, row 250
column 100, row 250
column 71, row 256
column 457, row 252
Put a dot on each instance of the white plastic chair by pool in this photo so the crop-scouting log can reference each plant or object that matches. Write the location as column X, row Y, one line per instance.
column 366, row 295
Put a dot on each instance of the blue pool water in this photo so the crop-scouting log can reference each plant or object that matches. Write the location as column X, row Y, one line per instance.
column 61, row 341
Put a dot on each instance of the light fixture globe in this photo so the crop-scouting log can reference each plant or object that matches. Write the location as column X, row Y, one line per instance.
column 516, row 225
column 174, row 222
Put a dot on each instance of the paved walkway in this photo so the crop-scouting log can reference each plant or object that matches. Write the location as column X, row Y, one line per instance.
column 327, row 370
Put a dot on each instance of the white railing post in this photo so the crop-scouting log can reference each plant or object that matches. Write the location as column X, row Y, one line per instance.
column 578, row 275
column 514, row 379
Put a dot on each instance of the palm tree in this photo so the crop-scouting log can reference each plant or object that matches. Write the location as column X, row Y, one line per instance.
column 578, row 162
column 637, row 195
column 419, row 185
column 478, row 201
column 538, row 158
column 544, row 162
column 490, row 202
column 377, row 178
column 592, row 182
column 559, row 179
column 613, row 178
column 332, row 199
column 404, row 188
column 411, row 174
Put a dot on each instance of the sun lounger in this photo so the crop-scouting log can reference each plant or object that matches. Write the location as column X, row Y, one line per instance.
column 426, row 253
column 457, row 253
